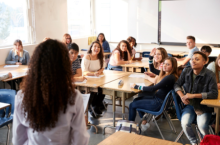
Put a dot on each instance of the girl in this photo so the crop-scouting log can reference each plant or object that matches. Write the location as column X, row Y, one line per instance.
column 120, row 55
column 18, row 56
column 48, row 110
column 76, row 67
column 153, row 96
column 67, row 39
column 157, row 57
column 132, row 42
column 93, row 65
column 103, row 42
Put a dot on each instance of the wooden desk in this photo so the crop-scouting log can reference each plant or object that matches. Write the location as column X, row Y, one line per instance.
column 122, row 138
column 136, row 66
column 124, row 91
column 215, row 103
column 17, row 72
column 4, row 105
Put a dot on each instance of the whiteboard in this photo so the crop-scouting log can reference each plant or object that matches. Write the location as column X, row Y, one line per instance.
column 119, row 19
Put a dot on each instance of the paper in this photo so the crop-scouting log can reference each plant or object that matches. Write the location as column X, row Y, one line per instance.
column 85, row 100
column 81, row 82
column 139, row 84
column 137, row 76
column 6, row 66
column 94, row 76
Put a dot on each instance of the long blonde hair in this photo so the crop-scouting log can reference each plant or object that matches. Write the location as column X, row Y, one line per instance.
column 173, row 71
column 19, row 42
column 164, row 56
column 216, row 68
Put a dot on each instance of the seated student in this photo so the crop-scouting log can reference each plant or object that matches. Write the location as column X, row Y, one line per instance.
column 199, row 83
column 132, row 42
column 18, row 56
column 207, row 51
column 153, row 96
column 101, row 39
column 120, row 55
column 156, row 59
column 76, row 66
column 5, row 76
column 48, row 110
column 67, row 39
column 191, row 44
column 93, row 65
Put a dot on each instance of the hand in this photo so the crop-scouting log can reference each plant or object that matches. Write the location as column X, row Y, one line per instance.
column 132, row 85
column 146, row 77
column 149, row 74
column 184, row 100
column 18, row 63
column 129, row 61
column 153, row 52
column 218, row 86
column 81, row 79
column 9, row 75
column 81, row 55
column 189, row 96
column 96, row 74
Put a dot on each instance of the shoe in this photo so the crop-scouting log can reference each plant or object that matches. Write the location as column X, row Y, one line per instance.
column 144, row 127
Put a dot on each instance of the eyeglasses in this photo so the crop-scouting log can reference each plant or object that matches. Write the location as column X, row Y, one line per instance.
column 68, row 38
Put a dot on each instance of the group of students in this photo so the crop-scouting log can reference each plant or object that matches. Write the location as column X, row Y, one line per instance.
column 48, row 109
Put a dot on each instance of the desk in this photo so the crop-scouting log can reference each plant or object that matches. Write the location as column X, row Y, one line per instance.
column 85, row 52
column 122, row 138
column 136, row 66
column 124, row 91
column 176, row 53
column 216, row 104
column 4, row 105
column 17, row 72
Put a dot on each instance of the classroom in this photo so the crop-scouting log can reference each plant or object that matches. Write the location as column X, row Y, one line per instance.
column 109, row 72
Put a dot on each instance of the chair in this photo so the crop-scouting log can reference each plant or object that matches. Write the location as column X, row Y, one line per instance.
column 170, row 55
column 84, row 49
column 146, row 54
column 156, row 113
column 179, row 107
column 6, row 117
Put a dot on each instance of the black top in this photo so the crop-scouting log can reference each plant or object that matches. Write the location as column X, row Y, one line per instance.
column 151, row 66
column 163, row 87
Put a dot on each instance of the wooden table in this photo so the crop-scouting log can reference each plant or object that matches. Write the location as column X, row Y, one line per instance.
column 124, row 91
column 122, row 138
column 176, row 53
column 17, row 72
column 136, row 66
column 215, row 103
column 4, row 105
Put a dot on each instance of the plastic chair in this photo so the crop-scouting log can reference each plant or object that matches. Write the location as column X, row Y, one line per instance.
column 179, row 107
column 146, row 54
column 156, row 113
column 84, row 49
column 170, row 55
column 6, row 117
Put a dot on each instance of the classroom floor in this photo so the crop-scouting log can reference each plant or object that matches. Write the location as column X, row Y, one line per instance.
column 107, row 120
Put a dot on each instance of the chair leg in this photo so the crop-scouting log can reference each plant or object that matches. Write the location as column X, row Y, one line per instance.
column 93, row 111
column 179, row 136
column 158, row 127
column 211, row 130
column 198, row 133
column 8, row 135
column 169, row 122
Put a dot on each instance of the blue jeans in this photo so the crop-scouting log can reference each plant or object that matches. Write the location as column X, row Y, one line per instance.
column 147, row 102
column 117, row 68
column 188, row 117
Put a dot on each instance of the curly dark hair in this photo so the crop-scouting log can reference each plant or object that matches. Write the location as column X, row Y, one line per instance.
column 130, row 39
column 100, row 55
column 122, row 56
column 48, row 87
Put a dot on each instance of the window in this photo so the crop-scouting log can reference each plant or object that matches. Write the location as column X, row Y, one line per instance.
column 14, row 23
column 78, row 12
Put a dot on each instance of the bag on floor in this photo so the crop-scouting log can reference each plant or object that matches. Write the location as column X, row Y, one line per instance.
column 126, row 126
column 211, row 140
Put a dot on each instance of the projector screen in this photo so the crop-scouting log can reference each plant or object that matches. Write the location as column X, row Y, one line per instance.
column 199, row 18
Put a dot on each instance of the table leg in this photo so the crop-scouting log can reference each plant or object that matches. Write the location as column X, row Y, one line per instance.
column 125, row 69
column 123, row 106
column 217, row 111
column 113, row 107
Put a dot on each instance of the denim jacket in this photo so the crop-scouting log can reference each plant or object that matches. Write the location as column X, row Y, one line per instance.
column 204, row 83
column 12, row 58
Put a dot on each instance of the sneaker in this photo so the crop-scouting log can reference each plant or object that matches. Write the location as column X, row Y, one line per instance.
column 144, row 127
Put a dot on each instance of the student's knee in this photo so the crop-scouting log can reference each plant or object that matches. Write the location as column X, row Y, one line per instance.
column 185, row 123
column 203, row 126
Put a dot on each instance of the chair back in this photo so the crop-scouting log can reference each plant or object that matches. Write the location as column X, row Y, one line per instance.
column 145, row 54
column 170, row 55
column 178, row 104
column 7, row 96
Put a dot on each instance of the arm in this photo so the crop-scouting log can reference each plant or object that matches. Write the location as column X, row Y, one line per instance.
column 117, row 59
column 79, row 79
column 2, row 77
column 153, row 80
column 79, row 135
column 185, row 60
column 129, row 55
column 78, row 72
column 8, row 60
column 151, row 66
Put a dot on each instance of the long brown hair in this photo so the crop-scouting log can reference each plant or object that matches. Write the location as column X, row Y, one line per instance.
column 174, row 70
column 48, row 87
column 216, row 68
column 19, row 42
column 64, row 38
column 100, row 55
column 164, row 56
column 121, row 53
column 130, row 39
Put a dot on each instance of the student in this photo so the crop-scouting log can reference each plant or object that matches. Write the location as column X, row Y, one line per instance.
column 5, row 76
column 76, row 66
column 67, row 39
column 153, row 96
column 120, row 55
column 93, row 65
column 215, row 67
column 191, row 44
column 48, row 110
column 199, row 83
column 157, row 57
column 207, row 51
column 18, row 56
column 132, row 42
column 103, row 42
